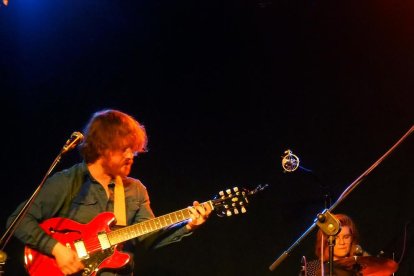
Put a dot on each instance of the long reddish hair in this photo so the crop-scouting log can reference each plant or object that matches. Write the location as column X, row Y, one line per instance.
column 345, row 221
column 110, row 130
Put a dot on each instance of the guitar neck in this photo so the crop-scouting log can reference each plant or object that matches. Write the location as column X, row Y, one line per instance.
column 148, row 226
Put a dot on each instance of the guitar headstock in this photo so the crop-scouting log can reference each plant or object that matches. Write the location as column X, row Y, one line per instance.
column 233, row 201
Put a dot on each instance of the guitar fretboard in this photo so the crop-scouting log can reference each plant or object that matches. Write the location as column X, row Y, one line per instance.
column 148, row 226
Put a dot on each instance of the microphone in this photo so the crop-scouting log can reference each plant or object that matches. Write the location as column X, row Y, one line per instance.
column 290, row 162
column 358, row 251
column 72, row 142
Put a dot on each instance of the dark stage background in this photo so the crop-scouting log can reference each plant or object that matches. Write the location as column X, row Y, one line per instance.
column 223, row 88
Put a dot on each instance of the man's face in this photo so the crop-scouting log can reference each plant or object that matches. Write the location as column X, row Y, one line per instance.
column 343, row 243
column 118, row 162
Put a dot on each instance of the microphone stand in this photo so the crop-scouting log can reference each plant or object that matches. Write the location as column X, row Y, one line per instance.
column 331, row 244
column 70, row 144
column 342, row 197
column 330, row 225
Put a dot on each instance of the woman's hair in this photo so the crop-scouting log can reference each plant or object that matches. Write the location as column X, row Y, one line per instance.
column 111, row 130
column 345, row 221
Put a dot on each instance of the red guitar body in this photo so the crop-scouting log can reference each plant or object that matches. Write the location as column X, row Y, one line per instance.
column 69, row 233
column 96, row 244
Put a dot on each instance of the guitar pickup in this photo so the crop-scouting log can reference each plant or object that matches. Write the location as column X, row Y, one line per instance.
column 103, row 240
column 81, row 249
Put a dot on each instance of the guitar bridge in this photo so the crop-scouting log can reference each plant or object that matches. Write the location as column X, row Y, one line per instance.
column 92, row 263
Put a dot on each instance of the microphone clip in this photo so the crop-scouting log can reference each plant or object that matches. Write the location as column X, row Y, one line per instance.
column 72, row 142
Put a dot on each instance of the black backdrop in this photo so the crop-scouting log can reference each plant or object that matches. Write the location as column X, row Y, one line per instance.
column 223, row 88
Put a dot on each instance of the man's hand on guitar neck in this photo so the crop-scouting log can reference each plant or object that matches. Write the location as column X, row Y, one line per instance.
column 199, row 215
column 66, row 259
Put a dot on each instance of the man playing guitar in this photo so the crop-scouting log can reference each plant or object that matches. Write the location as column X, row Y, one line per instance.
column 83, row 194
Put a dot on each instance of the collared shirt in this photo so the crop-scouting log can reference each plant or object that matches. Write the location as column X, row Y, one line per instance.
column 73, row 193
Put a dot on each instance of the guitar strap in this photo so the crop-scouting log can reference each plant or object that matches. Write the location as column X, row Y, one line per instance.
column 119, row 202
column 76, row 188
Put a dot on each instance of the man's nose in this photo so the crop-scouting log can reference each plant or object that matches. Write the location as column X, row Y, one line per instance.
column 129, row 153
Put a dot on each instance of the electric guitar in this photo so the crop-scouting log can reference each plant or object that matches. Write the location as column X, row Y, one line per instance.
column 96, row 243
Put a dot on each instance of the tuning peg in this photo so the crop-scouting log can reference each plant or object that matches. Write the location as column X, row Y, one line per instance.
column 228, row 213
column 235, row 211
column 243, row 210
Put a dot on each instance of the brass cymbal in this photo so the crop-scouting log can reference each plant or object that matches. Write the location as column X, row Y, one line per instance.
column 368, row 265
